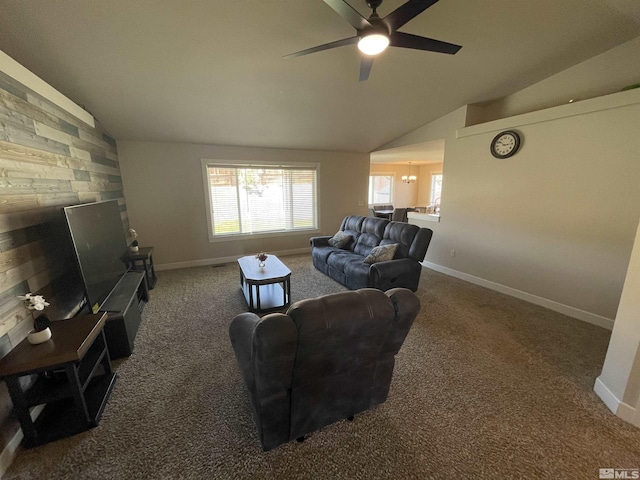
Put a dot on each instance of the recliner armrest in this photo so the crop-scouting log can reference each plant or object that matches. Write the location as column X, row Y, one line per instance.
column 265, row 349
column 241, row 333
column 392, row 266
column 320, row 241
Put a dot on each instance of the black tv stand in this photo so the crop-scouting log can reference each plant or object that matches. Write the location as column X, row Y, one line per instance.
column 124, row 307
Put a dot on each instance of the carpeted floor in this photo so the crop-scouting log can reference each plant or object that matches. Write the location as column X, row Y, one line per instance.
column 486, row 387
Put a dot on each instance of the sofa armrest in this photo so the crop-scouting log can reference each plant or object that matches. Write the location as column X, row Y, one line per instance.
column 402, row 272
column 320, row 241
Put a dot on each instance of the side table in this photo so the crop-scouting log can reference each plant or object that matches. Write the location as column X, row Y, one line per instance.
column 142, row 260
column 70, row 381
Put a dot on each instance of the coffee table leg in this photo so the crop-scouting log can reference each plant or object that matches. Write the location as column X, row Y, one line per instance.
column 287, row 299
column 258, row 297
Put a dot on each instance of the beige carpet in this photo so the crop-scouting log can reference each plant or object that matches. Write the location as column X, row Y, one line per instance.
column 485, row 387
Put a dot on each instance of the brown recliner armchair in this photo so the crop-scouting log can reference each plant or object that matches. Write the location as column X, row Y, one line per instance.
column 326, row 359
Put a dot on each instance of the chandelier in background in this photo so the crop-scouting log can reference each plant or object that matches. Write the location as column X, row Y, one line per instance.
column 409, row 178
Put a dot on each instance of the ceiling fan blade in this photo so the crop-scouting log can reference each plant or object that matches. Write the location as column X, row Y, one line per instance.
column 365, row 68
column 407, row 40
column 347, row 12
column 326, row 46
column 406, row 12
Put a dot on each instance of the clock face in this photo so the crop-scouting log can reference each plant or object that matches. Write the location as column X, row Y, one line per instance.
column 505, row 144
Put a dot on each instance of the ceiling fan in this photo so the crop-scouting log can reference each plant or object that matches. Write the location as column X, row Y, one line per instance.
column 375, row 34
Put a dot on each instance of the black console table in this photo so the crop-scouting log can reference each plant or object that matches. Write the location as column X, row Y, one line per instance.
column 124, row 307
column 74, row 379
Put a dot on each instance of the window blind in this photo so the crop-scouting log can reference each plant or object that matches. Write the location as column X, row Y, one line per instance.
column 261, row 199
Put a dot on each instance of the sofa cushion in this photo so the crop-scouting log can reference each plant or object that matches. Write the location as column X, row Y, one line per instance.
column 322, row 253
column 339, row 259
column 340, row 239
column 381, row 253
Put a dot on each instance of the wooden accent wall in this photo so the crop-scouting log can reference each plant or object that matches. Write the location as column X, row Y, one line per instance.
column 48, row 159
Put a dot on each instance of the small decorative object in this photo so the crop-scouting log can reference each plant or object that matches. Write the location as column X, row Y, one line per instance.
column 134, row 245
column 262, row 257
column 41, row 332
column 505, row 144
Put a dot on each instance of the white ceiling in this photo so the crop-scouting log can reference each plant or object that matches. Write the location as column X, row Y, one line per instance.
column 213, row 71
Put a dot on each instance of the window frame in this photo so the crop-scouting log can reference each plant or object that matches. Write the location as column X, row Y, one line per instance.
column 432, row 200
column 213, row 238
column 392, row 176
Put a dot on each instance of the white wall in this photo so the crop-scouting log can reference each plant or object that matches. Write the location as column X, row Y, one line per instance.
column 557, row 220
column 166, row 203
column 601, row 75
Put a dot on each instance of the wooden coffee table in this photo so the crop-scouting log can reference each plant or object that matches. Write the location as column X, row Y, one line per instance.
column 267, row 288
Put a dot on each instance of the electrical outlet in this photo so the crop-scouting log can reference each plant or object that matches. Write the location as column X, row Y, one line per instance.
column 453, row 253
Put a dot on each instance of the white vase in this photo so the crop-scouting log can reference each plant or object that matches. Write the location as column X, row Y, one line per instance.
column 42, row 336
column 133, row 249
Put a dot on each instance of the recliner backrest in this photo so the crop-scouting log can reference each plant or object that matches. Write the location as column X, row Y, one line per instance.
column 339, row 332
column 371, row 233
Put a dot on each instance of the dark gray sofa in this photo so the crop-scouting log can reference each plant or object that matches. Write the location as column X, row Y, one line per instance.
column 326, row 359
column 345, row 265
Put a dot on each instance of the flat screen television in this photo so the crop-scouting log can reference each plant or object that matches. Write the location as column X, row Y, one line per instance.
column 100, row 246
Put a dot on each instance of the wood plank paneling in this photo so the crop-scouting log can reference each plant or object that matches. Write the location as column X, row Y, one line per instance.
column 48, row 159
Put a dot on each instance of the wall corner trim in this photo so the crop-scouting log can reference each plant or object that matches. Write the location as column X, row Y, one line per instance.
column 29, row 79
column 573, row 312
column 606, row 395
column 621, row 409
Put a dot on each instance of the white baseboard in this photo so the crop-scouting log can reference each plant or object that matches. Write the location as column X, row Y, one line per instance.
column 527, row 297
column 9, row 452
column 223, row 260
column 606, row 395
column 623, row 410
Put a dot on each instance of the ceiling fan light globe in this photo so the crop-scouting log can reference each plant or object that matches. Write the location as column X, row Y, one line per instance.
column 373, row 44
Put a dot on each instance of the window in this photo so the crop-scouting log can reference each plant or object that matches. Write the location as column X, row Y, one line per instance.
column 380, row 189
column 436, row 188
column 250, row 199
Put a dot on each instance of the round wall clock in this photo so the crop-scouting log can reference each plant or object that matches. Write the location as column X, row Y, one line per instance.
column 505, row 144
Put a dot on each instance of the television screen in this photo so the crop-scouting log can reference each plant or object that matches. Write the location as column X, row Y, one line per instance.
column 100, row 245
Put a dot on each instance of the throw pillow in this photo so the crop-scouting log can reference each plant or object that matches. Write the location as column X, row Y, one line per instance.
column 381, row 253
column 340, row 239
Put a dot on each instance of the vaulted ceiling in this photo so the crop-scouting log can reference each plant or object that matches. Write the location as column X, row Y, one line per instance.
column 213, row 71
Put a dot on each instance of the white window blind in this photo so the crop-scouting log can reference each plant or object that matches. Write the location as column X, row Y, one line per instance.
column 261, row 199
